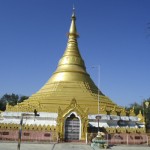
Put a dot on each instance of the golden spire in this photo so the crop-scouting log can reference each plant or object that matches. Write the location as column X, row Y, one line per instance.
column 71, row 64
column 73, row 30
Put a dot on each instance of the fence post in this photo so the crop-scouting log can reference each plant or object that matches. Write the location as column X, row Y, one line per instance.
column 147, row 139
column 86, row 139
column 127, row 139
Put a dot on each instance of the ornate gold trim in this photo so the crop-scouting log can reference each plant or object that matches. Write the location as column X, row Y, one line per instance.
column 62, row 116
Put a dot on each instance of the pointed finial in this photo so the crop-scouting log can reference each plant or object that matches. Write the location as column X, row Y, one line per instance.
column 73, row 11
column 73, row 30
column 73, row 7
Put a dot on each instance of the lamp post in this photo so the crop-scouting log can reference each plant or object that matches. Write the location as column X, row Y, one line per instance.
column 98, row 94
column 20, row 127
column 147, row 104
column 98, row 117
column 98, row 88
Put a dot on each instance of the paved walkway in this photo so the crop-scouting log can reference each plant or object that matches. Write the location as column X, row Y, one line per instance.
column 63, row 146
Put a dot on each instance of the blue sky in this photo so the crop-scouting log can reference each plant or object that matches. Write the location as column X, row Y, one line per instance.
column 113, row 34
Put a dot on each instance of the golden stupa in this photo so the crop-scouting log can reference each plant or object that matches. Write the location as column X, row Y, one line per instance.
column 69, row 81
column 70, row 92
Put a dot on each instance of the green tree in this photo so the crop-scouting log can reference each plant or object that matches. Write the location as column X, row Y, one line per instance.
column 144, row 109
column 137, row 107
column 11, row 99
column 2, row 105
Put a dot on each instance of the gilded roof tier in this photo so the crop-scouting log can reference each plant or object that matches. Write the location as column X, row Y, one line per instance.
column 70, row 80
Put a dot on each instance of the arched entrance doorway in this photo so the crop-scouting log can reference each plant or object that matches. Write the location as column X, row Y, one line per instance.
column 72, row 128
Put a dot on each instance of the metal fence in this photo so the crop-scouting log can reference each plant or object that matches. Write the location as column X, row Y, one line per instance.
column 121, row 138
